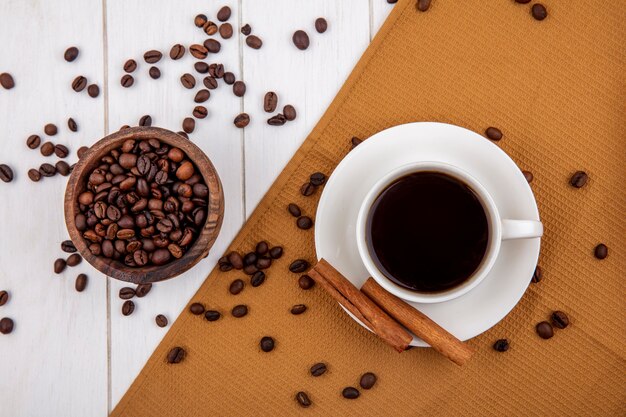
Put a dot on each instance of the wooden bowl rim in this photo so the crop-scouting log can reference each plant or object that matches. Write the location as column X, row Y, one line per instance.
column 200, row 248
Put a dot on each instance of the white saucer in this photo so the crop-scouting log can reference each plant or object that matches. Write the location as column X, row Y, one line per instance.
column 335, row 233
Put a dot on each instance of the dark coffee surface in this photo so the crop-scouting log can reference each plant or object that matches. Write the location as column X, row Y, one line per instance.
column 427, row 232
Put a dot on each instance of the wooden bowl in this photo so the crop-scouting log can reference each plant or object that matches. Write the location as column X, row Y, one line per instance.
column 200, row 248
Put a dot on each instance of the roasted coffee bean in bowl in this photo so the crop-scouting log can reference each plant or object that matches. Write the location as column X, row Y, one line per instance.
column 143, row 205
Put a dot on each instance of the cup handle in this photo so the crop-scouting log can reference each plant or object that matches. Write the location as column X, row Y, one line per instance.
column 521, row 229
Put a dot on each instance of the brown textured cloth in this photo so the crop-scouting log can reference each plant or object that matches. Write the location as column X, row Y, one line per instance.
column 557, row 90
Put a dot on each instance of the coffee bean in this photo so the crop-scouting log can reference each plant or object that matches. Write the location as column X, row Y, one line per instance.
column 300, row 39
column 423, row 5
column 226, row 30
column 7, row 82
column 189, row 125
column 198, row 51
column 321, row 25
column 307, row 189
column 71, row 54
column 4, row 297
column 224, row 265
column 71, row 124
column 201, row 67
column 354, row 142
column 262, row 248
column 130, row 65
column 61, row 151
column 368, row 380
column 210, row 82
column 196, row 309
column 128, row 307
column 34, row 175
column 306, row 282
column 528, row 175
column 579, row 179
column 276, row 252
column 81, row 151
column 154, row 73
column 299, row 265
column 223, row 14
column 188, row 81
column 145, row 120
column 539, row 11
column 257, row 278
column 501, row 345
column 298, row 309
column 212, row 45
column 176, row 355
column 202, row 96
column 242, row 120
column 6, row 173
column 601, row 251
column 210, row 28
column 254, row 42
column 250, row 258
column 236, row 287
column 47, row 149
column 200, row 112
column 235, row 260
column 143, row 289
column 560, row 319
column 246, row 29
column 200, row 20
column 544, row 330
column 212, row 315
column 50, row 129
column 6, row 325
column 537, row 275
column 318, row 178
column 152, row 56
column 304, row 222
column 68, row 246
column 63, row 168
column 79, row 83
column 294, row 210
column 126, row 293
column 161, row 320
column 350, row 393
column 59, row 265
column 74, row 259
column 318, row 369
column 270, row 101
column 289, row 112
column 277, row 120
column 267, row 344
column 127, row 81
column 239, row 88
column 33, row 141
column 303, row 399
column 522, row 1
column 81, row 282
column 240, row 310
column 178, row 51
column 93, row 90
column 493, row 133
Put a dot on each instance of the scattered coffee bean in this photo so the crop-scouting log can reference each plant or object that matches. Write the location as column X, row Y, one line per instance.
column 189, row 125
column 257, row 278
column 7, row 82
column 72, row 125
column 198, row 51
column 537, row 275
column 59, row 265
column 93, row 90
column 74, row 259
column 210, row 28
column 239, row 88
column 321, row 25
column 6, row 173
column 81, row 282
column 145, row 120
column 240, row 310
column 522, row 1
column 33, row 141
column 81, row 151
column 63, row 168
column 200, row 112
column 242, row 120
column 79, row 83
column 223, row 14
column 188, row 81
column 152, row 57
column 246, row 30
column 294, row 210
column 262, row 248
column 6, row 325
column 493, row 133
column 300, row 39
column 127, row 81
column 307, row 189
column 254, row 42
column 47, row 149
column 71, row 54
column 601, row 251
column 34, row 175
column 61, row 151
column 304, row 222
column 539, row 11
column 130, row 65
column 501, row 345
column 155, row 73
column 354, row 142
column 201, row 67
column 303, row 399
column 560, row 319
column 200, row 20
column 47, row 170
column 298, row 309
column 236, row 286
column 4, row 297
column 423, row 5
column 289, row 112
column 318, row 178
column 270, row 101
column 143, row 289
column 277, row 120
column 202, row 96
column 368, row 380
column 350, row 393
column 276, row 252
column 235, row 260
column 50, row 129
column 210, row 82
column 229, row 78
column 306, row 282
column 128, row 307
column 196, row 309
column 176, row 355
column 226, row 30
column 318, row 369
column 212, row 45
column 68, row 246
column 161, row 320
column 178, row 51
column 212, row 315
column 267, row 344
column 529, row 176
column 224, row 265
column 579, row 179
column 544, row 330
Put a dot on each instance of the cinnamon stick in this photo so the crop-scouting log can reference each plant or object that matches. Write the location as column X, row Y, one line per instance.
column 422, row 326
column 360, row 305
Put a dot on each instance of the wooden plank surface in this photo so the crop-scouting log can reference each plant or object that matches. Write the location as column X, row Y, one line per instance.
column 75, row 354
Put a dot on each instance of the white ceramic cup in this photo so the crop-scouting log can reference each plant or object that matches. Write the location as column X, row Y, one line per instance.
column 499, row 230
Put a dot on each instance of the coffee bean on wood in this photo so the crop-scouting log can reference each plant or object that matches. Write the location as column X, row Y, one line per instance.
column 61, row 151
column 579, row 179
column 196, row 308
column 294, row 210
column 34, row 175
column 154, row 72
column 300, row 39
column 210, row 82
column 178, row 51
column 72, row 125
column 277, row 120
column 304, row 222
column 368, row 380
column 276, row 252
column 7, row 81
column 559, row 319
column 202, row 96
column 6, row 325
column 317, row 178
column 242, row 120
column 4, row 297
column 240, row 310
column 246, row 29
column 74, row 259
column 321, row 25
column 152, row 57
column 130, row 65
column 143, row 289
column 176, row 355
column 306, row 282
column 50, row 129
column 303, row 399
column 210, row 28
column 298, row 309
column 307, row 189
column 529, row 176
column 226, row 30
column 79, row 83
column 198, row 51
column 493, row 133
column 68, row 246
column 212, row 315
column 223, row 14
column 128, row 307
column 71, row 54
column 145, row 120
column 539, row 11
column 63, row 168
column 537, row 275
column 33, row 141
column 239, row 88
column 350, row 393
column 127, row 81
column 601, row 251
column 254, row 42
column 501, row 345
column 318, row 369
column 81, row 282
column 93, row 90
column 267, row 344
column 257, row 278
column 236, row 286
column 161, row 320
column 189, row 125
column 47, row 170
column 200, row 20
column 212, row 45
column 289, row 112
column 270, row 101
column 423, row 5
column 544, row 330
column 59, row 265
column 6, row 173
column 47, row 149
column 188, row 81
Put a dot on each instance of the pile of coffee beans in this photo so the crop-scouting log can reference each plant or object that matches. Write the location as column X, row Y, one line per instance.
column 145, row 204
column 49, row 148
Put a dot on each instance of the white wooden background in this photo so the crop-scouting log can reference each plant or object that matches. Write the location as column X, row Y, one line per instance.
column 74, row 354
